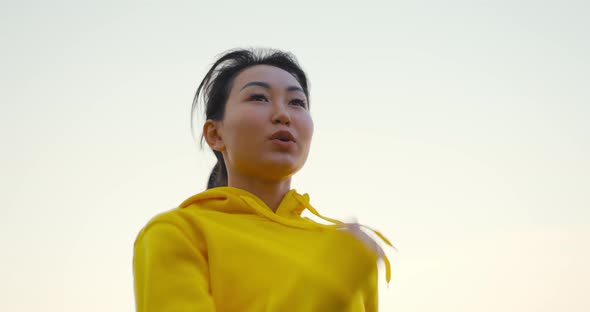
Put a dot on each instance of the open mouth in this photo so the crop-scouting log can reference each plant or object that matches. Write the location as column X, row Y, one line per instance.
column 283, row 136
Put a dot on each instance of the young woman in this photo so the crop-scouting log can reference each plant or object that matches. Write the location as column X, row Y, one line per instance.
column 242, row 245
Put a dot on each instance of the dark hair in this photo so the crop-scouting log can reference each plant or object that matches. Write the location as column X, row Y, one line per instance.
column 215, row 87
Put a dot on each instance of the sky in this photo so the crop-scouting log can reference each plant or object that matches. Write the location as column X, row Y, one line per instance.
column 459, row 129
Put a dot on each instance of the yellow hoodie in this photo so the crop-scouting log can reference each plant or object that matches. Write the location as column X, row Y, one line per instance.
column 225, row 250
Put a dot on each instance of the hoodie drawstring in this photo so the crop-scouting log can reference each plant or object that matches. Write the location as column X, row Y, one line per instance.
column 304, row 200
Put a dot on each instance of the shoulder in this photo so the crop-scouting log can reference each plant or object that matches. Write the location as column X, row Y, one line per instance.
column 180, row 221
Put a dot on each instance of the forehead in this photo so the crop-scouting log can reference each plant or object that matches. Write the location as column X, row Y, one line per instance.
column 272, row 75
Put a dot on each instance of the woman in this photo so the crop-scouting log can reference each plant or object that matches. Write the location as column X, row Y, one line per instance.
column 242, row 245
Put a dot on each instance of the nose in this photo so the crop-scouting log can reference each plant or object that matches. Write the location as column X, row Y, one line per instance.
column 281, row 116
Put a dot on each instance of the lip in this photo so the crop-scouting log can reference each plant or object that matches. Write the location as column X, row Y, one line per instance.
column 287, row 145
column 283, row 136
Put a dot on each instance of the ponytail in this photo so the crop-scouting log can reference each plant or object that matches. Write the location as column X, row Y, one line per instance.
column 218, row 176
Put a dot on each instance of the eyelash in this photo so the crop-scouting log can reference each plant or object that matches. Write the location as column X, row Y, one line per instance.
column 257, row 97
column 299, row 102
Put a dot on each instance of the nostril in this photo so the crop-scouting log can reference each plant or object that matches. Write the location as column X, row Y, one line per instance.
column 283, row 119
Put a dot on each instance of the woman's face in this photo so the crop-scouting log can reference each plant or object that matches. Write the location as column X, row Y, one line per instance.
column 267, row 128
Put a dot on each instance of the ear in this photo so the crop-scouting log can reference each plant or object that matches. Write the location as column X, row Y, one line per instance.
column 213, row 136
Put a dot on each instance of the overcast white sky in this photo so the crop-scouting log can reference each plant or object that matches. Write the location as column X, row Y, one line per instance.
column 458, row 128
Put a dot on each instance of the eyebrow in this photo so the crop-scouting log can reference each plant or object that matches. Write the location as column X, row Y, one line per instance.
column 267, row 86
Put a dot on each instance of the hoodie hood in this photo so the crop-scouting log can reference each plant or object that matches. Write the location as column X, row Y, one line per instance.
column 233, row 200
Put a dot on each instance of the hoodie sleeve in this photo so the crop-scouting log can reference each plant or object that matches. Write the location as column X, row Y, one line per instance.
column 371, row 296
column 170, row 271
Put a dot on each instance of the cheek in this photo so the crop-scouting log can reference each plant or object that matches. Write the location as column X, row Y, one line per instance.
column 306, row 128
column 243, row 127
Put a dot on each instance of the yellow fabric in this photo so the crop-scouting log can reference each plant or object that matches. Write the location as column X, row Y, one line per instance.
column 225, row 250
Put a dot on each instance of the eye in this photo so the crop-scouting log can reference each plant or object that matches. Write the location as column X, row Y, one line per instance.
column 298, row 102
column 258, row 98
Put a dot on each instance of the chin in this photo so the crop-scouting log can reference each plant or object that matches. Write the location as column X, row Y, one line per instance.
column 279, row 169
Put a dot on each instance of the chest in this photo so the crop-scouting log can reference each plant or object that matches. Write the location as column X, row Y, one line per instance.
column 257, row 263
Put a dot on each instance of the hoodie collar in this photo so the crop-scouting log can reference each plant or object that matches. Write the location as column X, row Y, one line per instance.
column 234, row 200
column 218, row 199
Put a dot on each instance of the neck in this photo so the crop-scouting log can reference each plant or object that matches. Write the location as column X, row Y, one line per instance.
column 270, row 192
